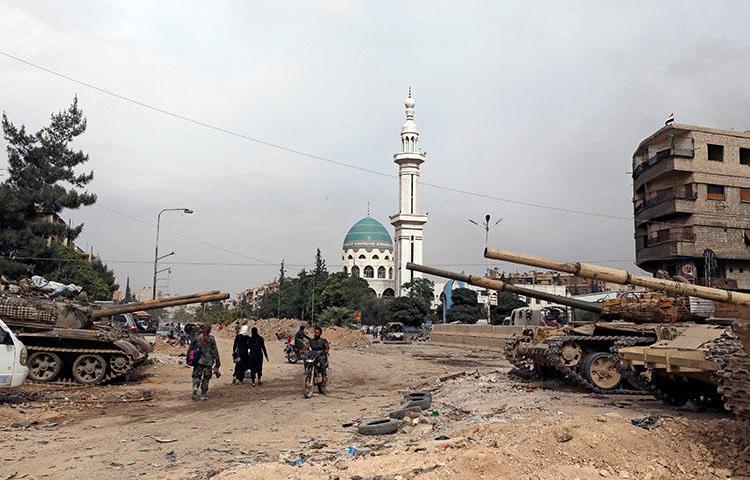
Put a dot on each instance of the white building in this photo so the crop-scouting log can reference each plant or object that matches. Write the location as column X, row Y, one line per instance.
column 368, row 253
column 408, row 222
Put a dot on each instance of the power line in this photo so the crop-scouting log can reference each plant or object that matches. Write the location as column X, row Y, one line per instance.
column 201, row 123
column 237, row 264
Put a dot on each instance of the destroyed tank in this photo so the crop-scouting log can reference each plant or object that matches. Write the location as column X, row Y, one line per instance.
column 584, row 355
column 71, row 339
column 704, row 363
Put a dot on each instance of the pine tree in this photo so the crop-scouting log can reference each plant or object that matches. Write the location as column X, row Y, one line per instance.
column 282, row 273
column 320, row 272
column 128, row 297
column 42, row 181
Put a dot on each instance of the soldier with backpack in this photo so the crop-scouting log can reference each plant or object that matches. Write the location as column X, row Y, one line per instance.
column 203, row 356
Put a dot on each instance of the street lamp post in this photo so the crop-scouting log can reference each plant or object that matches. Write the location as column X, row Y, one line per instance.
column 486, row 225
column 156, row 249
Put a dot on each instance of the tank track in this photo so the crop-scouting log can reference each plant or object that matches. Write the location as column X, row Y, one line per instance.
column 109, row 376
column 573, row 375
column 731, row 382
column 523, row 366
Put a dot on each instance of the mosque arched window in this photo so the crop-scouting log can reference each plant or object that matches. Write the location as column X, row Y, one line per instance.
column 369, row 272
column 350, row 257
column 388, row 293
column 381, row 272
column 346, row 270
column 355, row 271
column 362, row 257
column 390, row 272
column 375, row 257
column 387, row 257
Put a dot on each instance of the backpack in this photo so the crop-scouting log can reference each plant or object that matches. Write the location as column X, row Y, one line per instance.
column 194, row 353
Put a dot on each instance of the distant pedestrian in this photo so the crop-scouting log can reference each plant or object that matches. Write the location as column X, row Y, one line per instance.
column 241, row 354
column 257, row 352
column 205, row 359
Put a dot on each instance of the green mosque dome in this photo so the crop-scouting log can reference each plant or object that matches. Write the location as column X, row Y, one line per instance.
column 368, row 233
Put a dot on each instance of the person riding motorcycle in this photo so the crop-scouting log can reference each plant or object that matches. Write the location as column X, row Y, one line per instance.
column 320, row 344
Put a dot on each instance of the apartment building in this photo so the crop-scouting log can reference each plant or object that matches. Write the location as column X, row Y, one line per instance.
column 691, row 200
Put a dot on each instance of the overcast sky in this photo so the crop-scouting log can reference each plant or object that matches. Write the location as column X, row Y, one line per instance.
column 532, row 101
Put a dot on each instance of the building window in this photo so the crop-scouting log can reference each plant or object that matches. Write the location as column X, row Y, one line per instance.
column 388, row 293
column 375, row 257
column 390, row 273
column 362, row 257
column 381, row 272
column 745, row 195
column 350, row 257
column 387, row 257
column 716, row 192
column 355, row 271
column 744, row 156
column 369, row 272
column 715, row 152
column 742, row 270
column 346, row 270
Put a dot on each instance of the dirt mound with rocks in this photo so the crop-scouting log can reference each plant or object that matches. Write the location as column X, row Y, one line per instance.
column 280, row 328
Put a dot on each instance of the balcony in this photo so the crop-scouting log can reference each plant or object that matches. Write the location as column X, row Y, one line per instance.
column 664, row 245
column 660, row 156
column 666, row 203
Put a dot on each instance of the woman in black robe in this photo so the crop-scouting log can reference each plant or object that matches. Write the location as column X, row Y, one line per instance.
column 257, row 351
column 241, row 355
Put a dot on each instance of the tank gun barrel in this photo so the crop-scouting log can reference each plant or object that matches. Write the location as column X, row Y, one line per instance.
column 501, row 286
column 202, row 297
column 183, row 297
column 622, row 277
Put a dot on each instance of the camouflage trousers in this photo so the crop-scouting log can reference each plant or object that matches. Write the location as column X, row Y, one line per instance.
column 201, row 375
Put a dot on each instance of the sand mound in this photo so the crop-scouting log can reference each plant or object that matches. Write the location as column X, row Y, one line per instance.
column 280, row 328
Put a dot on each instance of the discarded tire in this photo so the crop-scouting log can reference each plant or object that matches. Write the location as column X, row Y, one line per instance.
column 417, row 395
column 381, row 426
column 423, row 402
column 401, row 412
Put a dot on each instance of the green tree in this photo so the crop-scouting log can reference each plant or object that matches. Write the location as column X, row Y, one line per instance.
column 341, row 290
column 339, row 316
column 282, row 273
column 374, row 310
column 421, row 288
column 321, row 272
column 465, row 308
column 42, row 181
column 408, row 310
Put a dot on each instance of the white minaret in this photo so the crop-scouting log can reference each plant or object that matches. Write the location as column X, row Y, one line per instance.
column 408, row 222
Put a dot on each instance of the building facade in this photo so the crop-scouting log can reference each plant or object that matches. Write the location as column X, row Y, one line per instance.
column 408, row 222
column 368, row 253
column 691, row 200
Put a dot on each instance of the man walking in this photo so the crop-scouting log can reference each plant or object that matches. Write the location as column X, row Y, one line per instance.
column 257, row 352
column 205, row 357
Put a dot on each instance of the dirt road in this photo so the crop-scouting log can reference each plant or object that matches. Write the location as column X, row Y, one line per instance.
column 491, row 426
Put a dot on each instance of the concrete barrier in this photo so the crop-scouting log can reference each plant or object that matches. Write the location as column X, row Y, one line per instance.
column 488, row 337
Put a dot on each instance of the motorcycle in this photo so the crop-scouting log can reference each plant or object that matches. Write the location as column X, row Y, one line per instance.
column 315, row 374
column 292, row 354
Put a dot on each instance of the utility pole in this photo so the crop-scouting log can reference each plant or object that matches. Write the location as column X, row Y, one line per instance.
column 486, row 225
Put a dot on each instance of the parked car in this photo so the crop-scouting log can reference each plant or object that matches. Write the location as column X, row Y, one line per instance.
column 164, row 331
column 13, row 359
column 127, row 320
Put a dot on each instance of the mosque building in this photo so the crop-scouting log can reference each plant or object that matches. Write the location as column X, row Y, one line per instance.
column 368, row 250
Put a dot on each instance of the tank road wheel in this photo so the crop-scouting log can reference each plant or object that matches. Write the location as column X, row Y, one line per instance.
column 89, row 368
column 571, row 354
column 600, row 368
column 119, row 364
column 44, row 366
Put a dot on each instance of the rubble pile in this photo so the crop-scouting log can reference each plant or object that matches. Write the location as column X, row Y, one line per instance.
column 280, row 328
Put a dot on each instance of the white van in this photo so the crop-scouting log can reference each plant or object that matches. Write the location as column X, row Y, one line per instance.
column 13, row 357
